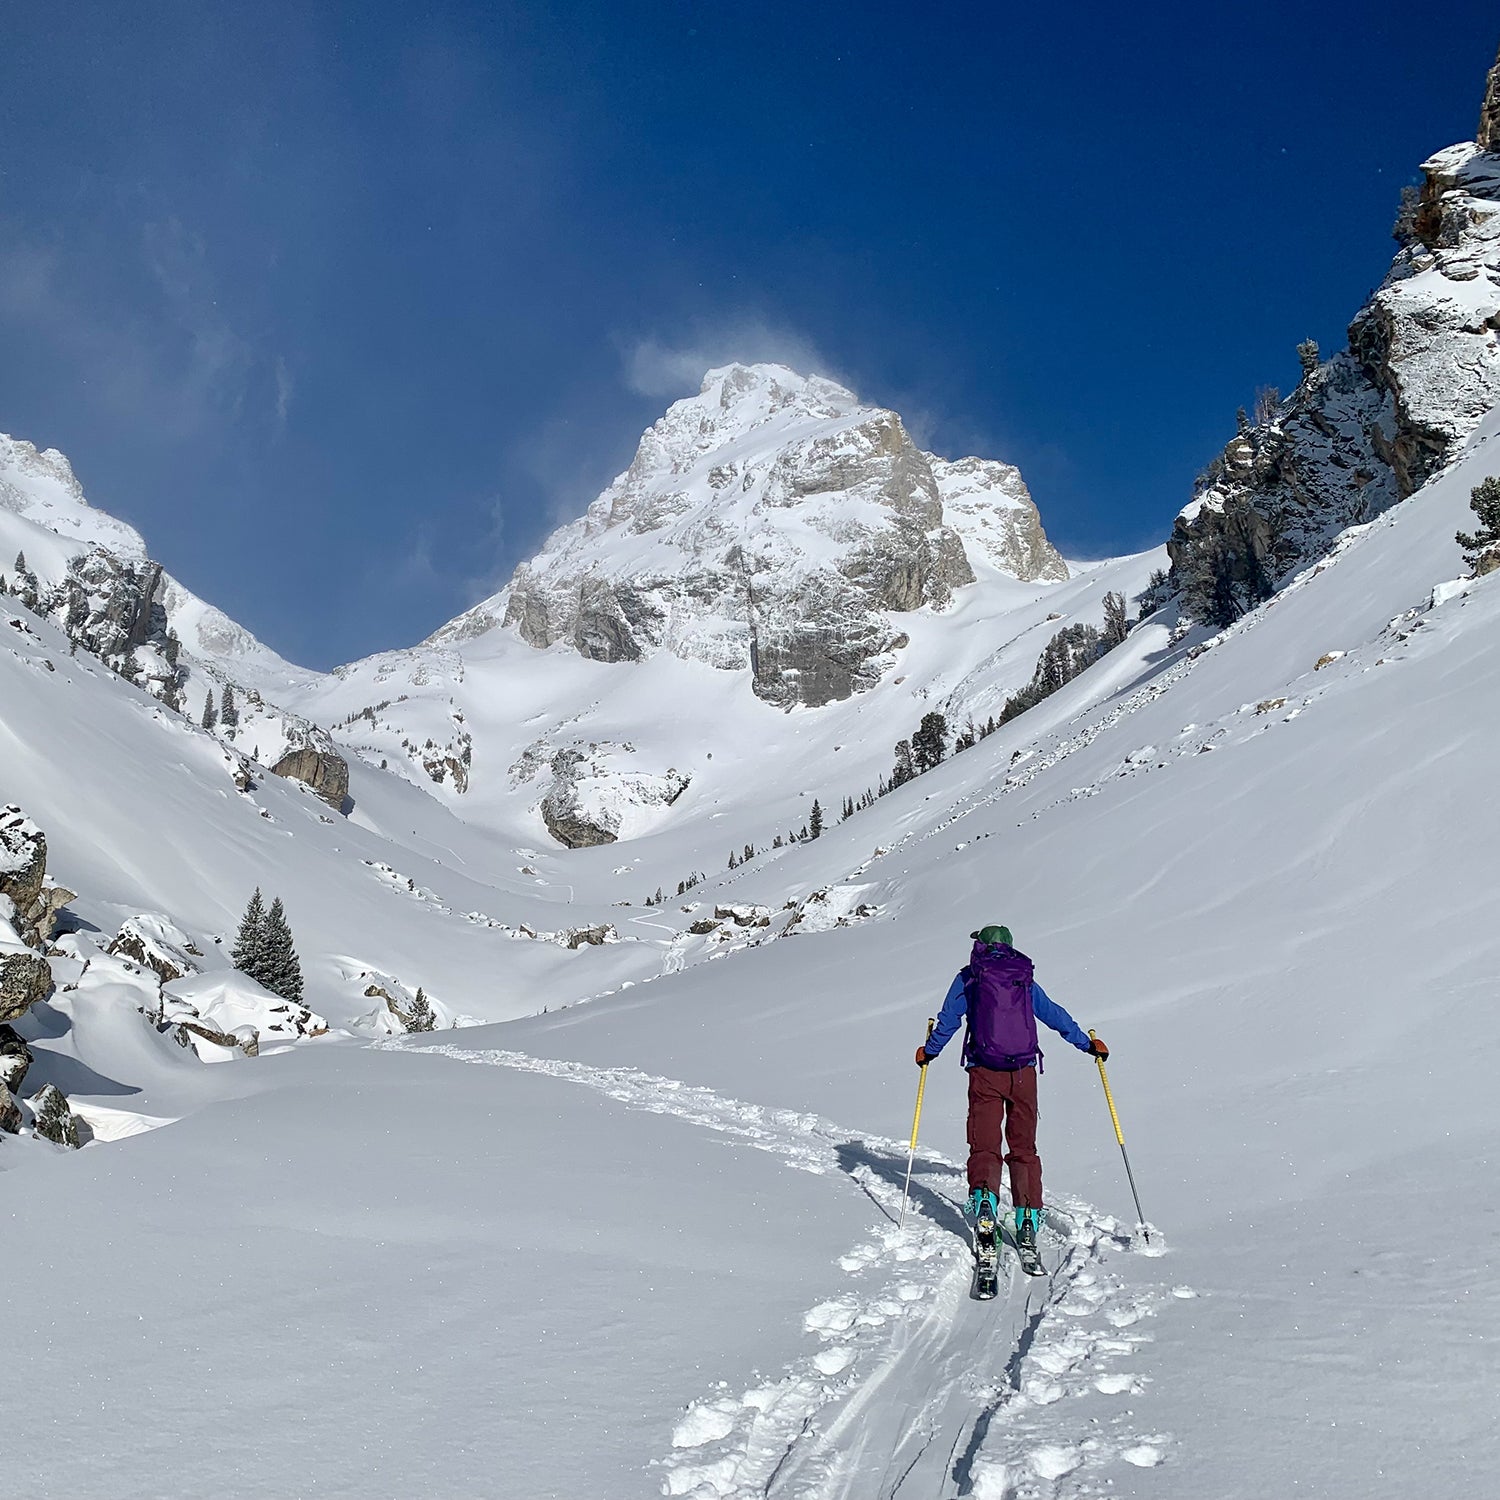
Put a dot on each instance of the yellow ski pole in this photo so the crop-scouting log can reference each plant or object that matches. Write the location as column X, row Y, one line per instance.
column 916, row 1121
column 1109, row 1099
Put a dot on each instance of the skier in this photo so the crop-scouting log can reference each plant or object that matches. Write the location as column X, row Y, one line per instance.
column 1000, row 1002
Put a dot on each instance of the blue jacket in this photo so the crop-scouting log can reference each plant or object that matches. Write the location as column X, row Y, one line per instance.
column 955, row 1012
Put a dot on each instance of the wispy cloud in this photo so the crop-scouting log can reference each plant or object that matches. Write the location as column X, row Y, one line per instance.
column 665, row 366
column 285, row 388
column 145, row 330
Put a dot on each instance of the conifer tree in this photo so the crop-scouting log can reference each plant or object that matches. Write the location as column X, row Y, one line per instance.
column 904, row 770
column 778, row 842
column 815, row 822
column 1116, row 622
column 210, row 713
column 229, row 713
column 420, row 1016
column 248, row 953
column 283, row 967
column 930, row 743
column 1484, row 501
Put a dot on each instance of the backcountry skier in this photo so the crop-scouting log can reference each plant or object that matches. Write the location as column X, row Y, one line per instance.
column 1000, row 1002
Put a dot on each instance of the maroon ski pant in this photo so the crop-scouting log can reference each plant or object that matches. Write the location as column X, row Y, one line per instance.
column 1002, row 1113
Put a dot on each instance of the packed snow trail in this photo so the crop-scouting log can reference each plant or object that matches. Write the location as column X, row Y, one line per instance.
column 916, row 1391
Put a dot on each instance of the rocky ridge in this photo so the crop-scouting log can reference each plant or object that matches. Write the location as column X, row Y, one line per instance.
column 91, row 575
column 771, row 522
column 1369, row 427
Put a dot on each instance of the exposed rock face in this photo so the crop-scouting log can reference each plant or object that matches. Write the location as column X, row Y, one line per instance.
column 53, row 1119
column 1372, row 425
column 770, row 522
column 10, row 1111
column 321, row 767
column 596, row 795
column 155, row 944
column 23, row 878
column 1489, row 114
column 15, row 1059
column 24, row 979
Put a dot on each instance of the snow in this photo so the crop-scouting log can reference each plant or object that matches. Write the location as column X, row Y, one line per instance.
column 634, row 1232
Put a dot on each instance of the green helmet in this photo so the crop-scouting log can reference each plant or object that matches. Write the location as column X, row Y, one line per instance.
column 992, row 935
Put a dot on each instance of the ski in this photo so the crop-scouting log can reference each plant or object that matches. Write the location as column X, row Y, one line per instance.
column 986, row 1257
column 1031, row 1260
column 1027, row 1252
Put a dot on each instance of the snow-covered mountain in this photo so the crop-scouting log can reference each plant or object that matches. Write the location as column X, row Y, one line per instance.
column 649, row 1243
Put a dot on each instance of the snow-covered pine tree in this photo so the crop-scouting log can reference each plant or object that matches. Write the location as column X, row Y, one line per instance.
column 249, row 952
column 229, row 712
column 210, row 713
column 420, row 1016
column 283, row 967
column 815, row 821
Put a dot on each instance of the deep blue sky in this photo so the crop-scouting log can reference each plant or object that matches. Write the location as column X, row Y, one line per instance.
column 346, row 305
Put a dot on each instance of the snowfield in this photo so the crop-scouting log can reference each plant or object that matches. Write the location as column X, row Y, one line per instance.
column 645, row 1242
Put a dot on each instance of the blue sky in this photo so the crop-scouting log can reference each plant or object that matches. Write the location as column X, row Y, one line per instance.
column 346, row 305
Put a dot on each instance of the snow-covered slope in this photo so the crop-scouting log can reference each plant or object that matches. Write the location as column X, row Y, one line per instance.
column 1267, row 883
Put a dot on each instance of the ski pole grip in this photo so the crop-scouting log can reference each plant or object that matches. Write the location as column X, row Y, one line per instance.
column 1109, row 1098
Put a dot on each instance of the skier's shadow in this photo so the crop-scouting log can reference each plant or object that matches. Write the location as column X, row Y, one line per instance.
column 892, row 1169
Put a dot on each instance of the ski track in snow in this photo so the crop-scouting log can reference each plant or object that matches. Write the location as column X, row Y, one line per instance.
column 915, row 1391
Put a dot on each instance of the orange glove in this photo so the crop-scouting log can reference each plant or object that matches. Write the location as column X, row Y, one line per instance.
column 1099, row 1050
column 922, row 1057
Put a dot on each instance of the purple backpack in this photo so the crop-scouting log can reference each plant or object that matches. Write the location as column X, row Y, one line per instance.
column 1002, row 1024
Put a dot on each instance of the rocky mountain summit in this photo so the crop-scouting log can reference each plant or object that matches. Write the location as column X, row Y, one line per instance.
column 1373, row 424
column 771, row 521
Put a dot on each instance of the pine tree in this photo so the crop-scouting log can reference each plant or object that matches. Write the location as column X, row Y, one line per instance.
column 848, row 810
column 815, row 822
column 930, row 743
column 229, row 713
column 420, row 1016
column 210, row 713
column 1116, row 622
column 732, row 860
column 778, row 842
column 1484, row 501
column 283, row 967
column 904, row 770
column 748, row 854
column 249, row 952
column 1308, row 355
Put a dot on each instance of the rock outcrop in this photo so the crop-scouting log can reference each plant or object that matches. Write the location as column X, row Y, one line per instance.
column 25, row 979
column 597, row 795
column 23, row 878
column 770, row 523
column 1371, row 426
column 1488, row 136
column 320, row 767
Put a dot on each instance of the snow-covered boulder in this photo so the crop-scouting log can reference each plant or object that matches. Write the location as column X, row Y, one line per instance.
column 221, row 1013
column 23, row 879
column 597, row 795
column 154, row 942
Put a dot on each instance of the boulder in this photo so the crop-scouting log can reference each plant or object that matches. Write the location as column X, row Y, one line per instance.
column 155, row 944
column 10, row 1111
column 320, row 768
column 53, row 1120
column 23, row 878
column 15, row 1059
column 592, row 936
column 24, row 979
